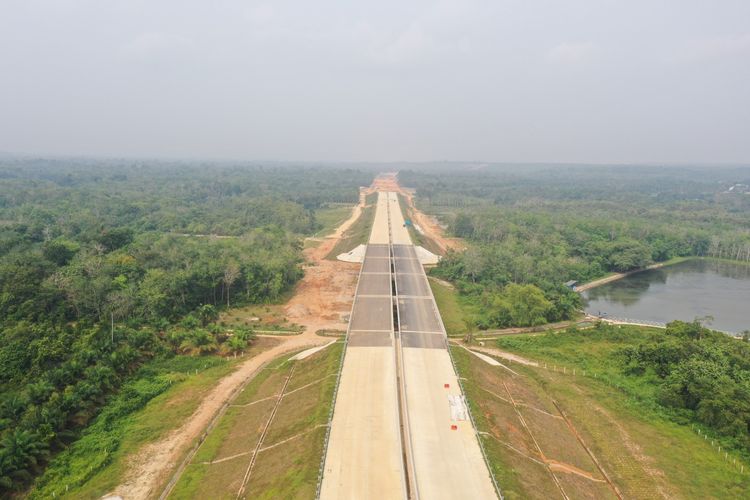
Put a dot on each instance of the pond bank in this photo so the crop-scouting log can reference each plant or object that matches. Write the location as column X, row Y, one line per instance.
column 619, row 276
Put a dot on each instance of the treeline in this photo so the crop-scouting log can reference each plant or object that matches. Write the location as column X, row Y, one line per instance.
column 541, row 226
column 154, row 279
column 72, row 197
column 701, row 375
column 85, row 246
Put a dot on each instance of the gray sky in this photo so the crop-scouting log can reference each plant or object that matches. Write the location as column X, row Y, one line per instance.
column 496, row 80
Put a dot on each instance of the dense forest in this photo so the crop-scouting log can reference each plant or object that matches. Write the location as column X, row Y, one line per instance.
column 532, row 229
column 105, row 265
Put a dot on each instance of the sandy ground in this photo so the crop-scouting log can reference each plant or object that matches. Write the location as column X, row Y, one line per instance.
column 357, row 254
column 322, row 300
column 309, row 352
column 426, row 258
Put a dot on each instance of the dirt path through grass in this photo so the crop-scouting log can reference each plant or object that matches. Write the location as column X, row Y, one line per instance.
column 151, row 468
column 270, row 441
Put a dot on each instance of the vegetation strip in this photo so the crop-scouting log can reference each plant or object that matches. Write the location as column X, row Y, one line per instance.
column 588, row 450
column 192, row 452
column 510, row 446
column 536, row 443
column 263, row 434
column 310, row 384
column 245, row 405
column 292, row 438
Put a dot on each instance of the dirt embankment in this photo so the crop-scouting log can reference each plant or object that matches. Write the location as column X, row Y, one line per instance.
column 323, row 298
column 618, row 276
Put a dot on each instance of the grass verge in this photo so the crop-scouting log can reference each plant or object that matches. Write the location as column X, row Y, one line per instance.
column 331, row 217
column 359, row 232
column 288, row 459
column 448, row 302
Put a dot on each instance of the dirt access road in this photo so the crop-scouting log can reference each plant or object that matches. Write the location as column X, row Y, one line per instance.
column 321, row 301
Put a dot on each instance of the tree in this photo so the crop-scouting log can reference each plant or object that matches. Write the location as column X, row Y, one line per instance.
column 20, row 452
column 231, row 273
column 527, row 305
column 60, row 250
column 207, row 313
column 198, row 342
column 626, row 255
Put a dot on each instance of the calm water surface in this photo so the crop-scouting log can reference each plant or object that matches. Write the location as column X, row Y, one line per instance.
column 691, row 289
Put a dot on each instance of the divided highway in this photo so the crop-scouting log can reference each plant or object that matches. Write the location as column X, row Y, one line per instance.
column 400, row 428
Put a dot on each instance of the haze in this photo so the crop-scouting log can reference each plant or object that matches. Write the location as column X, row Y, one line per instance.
column 573, row 81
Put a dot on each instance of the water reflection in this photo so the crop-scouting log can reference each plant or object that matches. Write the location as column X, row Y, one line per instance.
column 630, row 289
column 691, row 289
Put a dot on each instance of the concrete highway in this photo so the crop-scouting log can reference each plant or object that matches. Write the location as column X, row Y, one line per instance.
column 400, row 427
column 364, row 457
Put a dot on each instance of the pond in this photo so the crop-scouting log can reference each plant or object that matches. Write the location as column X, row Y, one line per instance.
column 688, row 290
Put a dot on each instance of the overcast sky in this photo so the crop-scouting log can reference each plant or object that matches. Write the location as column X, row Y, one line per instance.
column 523, row 80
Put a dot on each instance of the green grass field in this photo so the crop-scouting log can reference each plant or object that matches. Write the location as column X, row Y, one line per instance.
column 157, row 401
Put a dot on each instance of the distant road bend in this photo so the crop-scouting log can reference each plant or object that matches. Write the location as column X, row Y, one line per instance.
column 400, row 427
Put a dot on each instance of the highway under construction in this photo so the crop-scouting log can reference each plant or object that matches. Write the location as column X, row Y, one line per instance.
column 400, row 426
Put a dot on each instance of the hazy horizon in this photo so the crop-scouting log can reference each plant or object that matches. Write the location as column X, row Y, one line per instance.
column 581, row 82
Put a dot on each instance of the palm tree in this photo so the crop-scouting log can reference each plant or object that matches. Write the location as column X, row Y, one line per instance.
column 20, row 452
